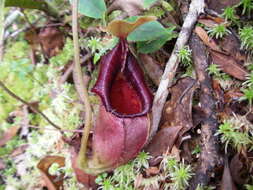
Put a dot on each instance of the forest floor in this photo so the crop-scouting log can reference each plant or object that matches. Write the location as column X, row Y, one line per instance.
column 126, row 94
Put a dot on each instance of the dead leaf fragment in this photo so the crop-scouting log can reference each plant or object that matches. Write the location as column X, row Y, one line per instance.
column 177, row 118
column 229, row 65
column 163, row 141
column 8, row 135
column 52, row 182
column 202, row 34
column 211, row 21
column 227, row 181
column 220, row 5
column 131, row 7
column 152, row 68
column 52, row 40
column 236, row 166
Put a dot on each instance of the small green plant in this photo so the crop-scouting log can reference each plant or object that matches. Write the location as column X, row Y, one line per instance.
column 247, row 6
column 142, row 160
column 181, row 176
column 247, row 95
column 214, row 69
column 94, row 44
column 229, row 14
column 249, row 81
column 178, row 172
column 230, row 134
column 196, row 150
column 184, row 55
column 246, row 36
column 249, row 187
column 218, row 31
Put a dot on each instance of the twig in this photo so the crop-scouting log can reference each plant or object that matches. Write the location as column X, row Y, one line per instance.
column 196, row 8
column 64, row 130
column 66, row 74
column 210, row 158
column 1, row 29
column 80, row 87
column 36, row 110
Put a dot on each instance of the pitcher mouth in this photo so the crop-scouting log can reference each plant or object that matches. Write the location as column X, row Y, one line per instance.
column 121, row 84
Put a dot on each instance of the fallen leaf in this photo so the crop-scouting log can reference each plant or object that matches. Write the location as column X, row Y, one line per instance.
column 202, row 34
column 131, row 7
column 152, row 171
column 229, row 65
column 162, row 142
column 211, row 21
column 51, row 39
column 231, row 45
column 227, row 181
column 176, row 119
column 8, row 135
column 236, row 166
column 152, row 68
column 220, row 5
column 219, row 95
column 52, row 182
column 178, row 110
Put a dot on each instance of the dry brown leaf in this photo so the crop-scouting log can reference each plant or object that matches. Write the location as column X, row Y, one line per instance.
column 8, row 135
column 122, row 28
column 52, row 40
column 152, row 67
column 163, row 141
column 227, row 181
column 177, row 118
column 178, row 110
column 202, row 34
column 52, row 182
column 131, row 7
column 236, row 166
column 220, row 5
column 229, row 65
column 152, row 171
column 211, row 21
column 231, row 45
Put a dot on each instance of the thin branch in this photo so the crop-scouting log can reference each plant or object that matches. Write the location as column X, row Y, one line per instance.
column 34, row 108
column 63, row 130
column 80, row 87
column 196, row 7
column 1, row 29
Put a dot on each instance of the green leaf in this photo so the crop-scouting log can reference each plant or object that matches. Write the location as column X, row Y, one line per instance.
column 148, row 31
column 92, row 8
column 154, row 45
column 148, row 3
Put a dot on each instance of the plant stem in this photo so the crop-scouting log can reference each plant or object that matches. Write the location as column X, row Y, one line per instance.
column 1, row 29
column 36, row 110
column 81, row 88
